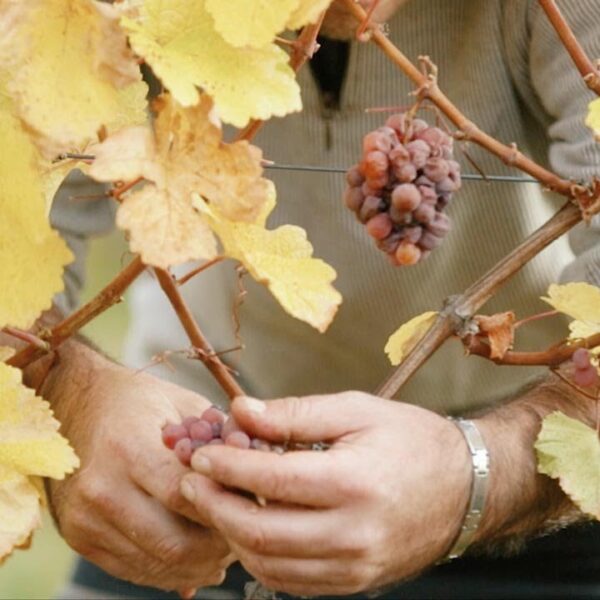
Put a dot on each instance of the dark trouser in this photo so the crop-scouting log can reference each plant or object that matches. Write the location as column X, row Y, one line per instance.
column 561, row 566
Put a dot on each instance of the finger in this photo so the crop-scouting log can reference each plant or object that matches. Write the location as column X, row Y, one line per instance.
column 299, row 577
column 162, row 478
column 307, row 478
column 308, row 571
column 309, row 419
column 186, row 549
column 276, row 529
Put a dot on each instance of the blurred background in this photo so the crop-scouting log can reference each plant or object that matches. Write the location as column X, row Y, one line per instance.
column 38, row 573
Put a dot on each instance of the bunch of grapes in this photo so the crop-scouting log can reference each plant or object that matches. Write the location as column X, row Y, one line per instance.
column 402, row 185
column 213, row 428
column 586, row 374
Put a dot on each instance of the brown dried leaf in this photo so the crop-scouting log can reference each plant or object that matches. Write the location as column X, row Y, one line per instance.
column 500, row 330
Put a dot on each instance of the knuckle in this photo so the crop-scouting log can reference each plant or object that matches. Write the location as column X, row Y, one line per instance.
column 174, row 501
column 256, row 540
column 96, row 493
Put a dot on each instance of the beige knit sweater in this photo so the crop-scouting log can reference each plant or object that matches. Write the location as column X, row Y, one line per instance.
column 501, row 62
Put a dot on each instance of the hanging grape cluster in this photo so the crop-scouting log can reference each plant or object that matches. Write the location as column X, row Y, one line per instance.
column 402, row 185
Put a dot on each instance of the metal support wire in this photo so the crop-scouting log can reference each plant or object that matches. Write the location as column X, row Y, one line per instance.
column 320, row 169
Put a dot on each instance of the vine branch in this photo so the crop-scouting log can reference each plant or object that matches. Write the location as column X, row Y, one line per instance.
column 205, row 351
column 584, row 64
column 464, row 307
column 108, row 297
column 303, row 49
column 551, row 357
column 428, row 88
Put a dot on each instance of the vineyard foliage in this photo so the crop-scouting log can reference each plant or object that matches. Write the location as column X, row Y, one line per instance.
column 71, row 83
column 72, row 96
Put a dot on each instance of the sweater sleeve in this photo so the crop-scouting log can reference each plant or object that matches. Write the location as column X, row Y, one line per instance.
column 77, row 214
column 555, row 93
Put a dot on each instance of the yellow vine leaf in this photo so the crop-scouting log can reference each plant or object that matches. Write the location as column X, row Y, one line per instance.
column 184, row 155
column 408, row 336
column 282, row 259
column 20, row 512
column 580, row 301
column 30, row 447
column 179, row 41
column 308, row 11
column 254, row 23
column 569, row 450
column 32, row 255
column 69, row 71
column 593, row 118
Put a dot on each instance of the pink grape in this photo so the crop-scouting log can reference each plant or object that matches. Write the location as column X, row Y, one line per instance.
column 369, row 208
column 183, row 451
column 354, row 177
column 189, row 421
column 587, row 377
column 201, row 431
column 238, row 439
column 172, row 433
column 230, row 426
column 408, row 254
column 406, row 197
column 214, row 415
column 380, row 226
column 581, row 358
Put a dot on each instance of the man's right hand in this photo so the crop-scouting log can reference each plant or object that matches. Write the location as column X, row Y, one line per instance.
column 122, row 510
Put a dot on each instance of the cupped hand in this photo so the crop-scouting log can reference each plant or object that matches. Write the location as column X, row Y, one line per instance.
column 382, row 504
column 122, row 510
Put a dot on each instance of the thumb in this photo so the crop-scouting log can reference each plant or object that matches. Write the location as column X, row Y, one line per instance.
column 308, row 419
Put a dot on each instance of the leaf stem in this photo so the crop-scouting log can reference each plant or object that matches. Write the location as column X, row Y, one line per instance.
column 303, row 49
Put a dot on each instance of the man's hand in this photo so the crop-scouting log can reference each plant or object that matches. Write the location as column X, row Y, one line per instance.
column 340, row 24
column 122, row 510
column 384, row 502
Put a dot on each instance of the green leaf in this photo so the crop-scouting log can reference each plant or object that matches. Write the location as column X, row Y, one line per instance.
column 569, row 450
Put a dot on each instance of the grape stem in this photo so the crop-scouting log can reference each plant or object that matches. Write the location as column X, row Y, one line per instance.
column 584, row 64
column 112, row 294
column 551, row 357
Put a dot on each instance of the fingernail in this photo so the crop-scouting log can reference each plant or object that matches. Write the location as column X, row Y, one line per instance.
column 188, row 491
column 253, row 405
column 188, row 594
column 200, row 463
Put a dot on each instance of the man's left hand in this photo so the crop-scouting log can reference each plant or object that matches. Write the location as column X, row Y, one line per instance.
column 383, row 503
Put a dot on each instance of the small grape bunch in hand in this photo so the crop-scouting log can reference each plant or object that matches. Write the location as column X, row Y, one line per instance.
column 213, row 427
column 586, row 374
column 402, row 185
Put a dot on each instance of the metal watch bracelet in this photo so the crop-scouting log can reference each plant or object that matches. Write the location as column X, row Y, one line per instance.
column 481, row 470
